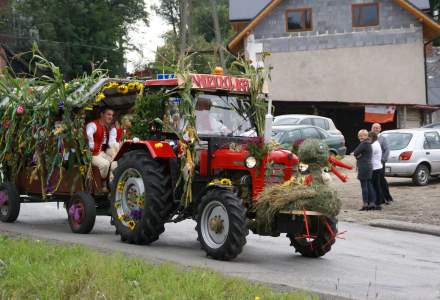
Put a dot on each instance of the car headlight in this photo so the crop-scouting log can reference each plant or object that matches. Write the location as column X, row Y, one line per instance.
column 250, row 162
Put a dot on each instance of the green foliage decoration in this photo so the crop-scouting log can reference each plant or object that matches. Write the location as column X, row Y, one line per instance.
column 41, row 124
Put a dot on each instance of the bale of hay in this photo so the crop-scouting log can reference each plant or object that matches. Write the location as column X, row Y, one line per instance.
column 293, row 196
column 314, row 151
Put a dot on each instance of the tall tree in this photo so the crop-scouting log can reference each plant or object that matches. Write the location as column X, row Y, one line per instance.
column 218, row 37
column 77, row 35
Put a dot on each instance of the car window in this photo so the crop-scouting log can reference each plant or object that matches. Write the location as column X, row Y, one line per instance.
column 311, row 133
column 321, row 123
column 290, row 137
column 285, row 121
column 397, row 140
column 432, row 140
column 306, row 121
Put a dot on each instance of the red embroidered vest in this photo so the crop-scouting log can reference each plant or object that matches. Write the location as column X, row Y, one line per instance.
column 119, row 134
column 99, row 137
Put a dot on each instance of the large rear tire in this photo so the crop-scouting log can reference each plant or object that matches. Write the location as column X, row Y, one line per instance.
column 221, row 224
column 81, row 213
column 9, row 202
column 140, row 197
column 322, row 243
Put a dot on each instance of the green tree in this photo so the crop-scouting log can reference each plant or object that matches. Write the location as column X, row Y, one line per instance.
column 202, row 38
column 77, row 35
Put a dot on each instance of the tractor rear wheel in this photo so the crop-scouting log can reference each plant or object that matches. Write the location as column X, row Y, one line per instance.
column 9, row 203
column 221, row 224
column 140, row 197
column 322, row 239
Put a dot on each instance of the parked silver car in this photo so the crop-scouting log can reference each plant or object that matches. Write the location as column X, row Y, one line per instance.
column 297, row 119
column 413, row 153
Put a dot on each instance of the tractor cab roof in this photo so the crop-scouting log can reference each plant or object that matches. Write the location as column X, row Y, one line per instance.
column 206, row 82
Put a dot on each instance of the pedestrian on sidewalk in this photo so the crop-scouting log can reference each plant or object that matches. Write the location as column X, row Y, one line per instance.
column 376, row 160
column 363, row 154
column 377, row 128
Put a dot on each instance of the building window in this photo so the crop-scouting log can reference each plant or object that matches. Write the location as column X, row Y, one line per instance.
column 366, row 14
column 299, row 19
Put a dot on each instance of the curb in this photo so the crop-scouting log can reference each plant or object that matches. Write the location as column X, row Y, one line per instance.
column 406, row 226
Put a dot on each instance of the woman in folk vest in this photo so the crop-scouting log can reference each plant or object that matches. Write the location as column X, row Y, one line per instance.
column 118, row 135
column 98, row 137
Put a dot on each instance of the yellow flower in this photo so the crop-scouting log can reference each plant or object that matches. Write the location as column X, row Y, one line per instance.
column 82, row 170
column 88, row 108
column 120, row 187
column 66, row 86
column 158, row 145
column 117, row 204
column 131, row 85
column 99, row 97
column 123, row 89
column 226, row 181
column 120, row 217
column 131, row 224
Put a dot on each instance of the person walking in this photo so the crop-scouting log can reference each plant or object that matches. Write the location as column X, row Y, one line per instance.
column 377, row 128
column 376, row 161
column 363, row 154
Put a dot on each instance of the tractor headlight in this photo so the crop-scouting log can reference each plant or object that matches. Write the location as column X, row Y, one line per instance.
column 250, row 162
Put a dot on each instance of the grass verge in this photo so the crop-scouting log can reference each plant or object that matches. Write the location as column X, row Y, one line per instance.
column 32, row 269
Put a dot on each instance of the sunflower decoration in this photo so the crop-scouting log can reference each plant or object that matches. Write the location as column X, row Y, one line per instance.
column 99, row 98
column 110, row 86
column 123, row 89
column 132, row 86
column 131, row 224
column 120, row 187
column 82, row 170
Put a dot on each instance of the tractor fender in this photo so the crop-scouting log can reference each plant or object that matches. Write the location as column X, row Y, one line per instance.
column 157, row 149
column 208, row 188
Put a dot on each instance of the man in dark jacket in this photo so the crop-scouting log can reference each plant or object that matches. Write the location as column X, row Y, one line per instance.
column 363, row 154
column 377, row 128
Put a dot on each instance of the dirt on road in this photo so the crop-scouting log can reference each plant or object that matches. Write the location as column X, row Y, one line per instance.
column 416, row 204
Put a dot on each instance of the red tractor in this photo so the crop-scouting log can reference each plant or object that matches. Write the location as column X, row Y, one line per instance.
column 227, row 180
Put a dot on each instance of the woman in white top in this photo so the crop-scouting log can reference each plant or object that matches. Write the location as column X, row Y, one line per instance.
column 376, row 160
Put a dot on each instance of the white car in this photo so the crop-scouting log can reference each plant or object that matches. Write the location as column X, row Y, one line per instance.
column 318, row 121
column 413, row 153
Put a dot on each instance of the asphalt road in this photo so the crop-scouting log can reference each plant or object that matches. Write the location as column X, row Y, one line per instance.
column 371, row 263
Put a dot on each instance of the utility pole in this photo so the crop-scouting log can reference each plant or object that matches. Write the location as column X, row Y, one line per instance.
column 218, row 35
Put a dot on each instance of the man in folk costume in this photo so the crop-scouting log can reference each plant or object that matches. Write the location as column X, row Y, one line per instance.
column 98, row 137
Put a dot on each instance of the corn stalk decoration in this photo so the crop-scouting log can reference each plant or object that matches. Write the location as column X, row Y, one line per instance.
column 41, row 121
column 257, row 76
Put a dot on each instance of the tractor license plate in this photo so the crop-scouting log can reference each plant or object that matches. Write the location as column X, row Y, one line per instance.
column 387, row 169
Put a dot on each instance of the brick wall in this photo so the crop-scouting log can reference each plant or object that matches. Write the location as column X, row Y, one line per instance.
column 332, row 27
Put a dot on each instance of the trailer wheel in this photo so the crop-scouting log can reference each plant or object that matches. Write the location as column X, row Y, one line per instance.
column 221, row 224
column 9, row 202
column 141, row 198
column 322, row 242
column 81, row 213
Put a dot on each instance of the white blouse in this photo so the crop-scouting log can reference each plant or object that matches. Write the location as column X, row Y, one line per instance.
column 377, row 156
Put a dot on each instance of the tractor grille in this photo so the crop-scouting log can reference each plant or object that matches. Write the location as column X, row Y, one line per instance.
column 275, row 175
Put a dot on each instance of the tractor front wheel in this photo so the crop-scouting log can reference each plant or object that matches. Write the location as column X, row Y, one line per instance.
column 322, row 232
column 221, row 224
column 9, row 203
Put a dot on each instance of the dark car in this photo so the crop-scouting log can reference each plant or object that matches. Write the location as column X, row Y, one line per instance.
column 432, row 125
column 296, row 134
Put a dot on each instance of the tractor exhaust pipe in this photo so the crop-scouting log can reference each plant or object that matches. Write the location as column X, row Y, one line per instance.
column 268, row 122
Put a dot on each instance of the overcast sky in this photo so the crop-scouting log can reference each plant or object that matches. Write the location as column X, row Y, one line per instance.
column 147, row 39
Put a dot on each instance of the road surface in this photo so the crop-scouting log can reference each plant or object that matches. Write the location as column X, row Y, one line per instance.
column 371, row 263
